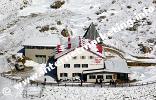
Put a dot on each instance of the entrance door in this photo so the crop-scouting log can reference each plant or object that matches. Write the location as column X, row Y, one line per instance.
column 84, row 77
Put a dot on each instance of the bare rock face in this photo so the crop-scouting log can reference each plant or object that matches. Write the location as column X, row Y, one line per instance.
column 57, row 4
column 65, row 33
column 152, row 40
column 154, row 1
column 145, row 49
column 44, row 28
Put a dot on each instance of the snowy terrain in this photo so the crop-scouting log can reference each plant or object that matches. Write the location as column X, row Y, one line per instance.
column 3, row 65
column 147, row 92
column 22, row 18
column 97, row 93
column 11, row 93
column 142, row 74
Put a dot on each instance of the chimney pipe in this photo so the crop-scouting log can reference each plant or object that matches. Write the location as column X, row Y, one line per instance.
column 89, row 48
column 58, row 48
column 80, row 41
column 69, row 42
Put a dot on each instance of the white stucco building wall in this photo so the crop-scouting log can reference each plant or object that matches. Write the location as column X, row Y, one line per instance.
column 88, row 60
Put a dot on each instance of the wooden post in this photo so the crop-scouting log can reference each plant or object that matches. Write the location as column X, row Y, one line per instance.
column 45, row 81
column 40, row 93
column 81, row 78
column 81, row 82
column 26, row 94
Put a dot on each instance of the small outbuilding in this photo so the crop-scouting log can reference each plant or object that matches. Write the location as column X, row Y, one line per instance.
column 41, row 48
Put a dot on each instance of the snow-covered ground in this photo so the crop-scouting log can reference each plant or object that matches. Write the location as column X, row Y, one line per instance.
column 3, row 65
column 96, row 93
column 7, row 92
column 143, row 74
column 18, row 24
column 147, row 92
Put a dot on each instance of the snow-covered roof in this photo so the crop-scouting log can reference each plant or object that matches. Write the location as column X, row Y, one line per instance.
column 46, row 40
column 114, row 65
column 117, row 65
column 72, row 49
column 75, row 45
column 64, row 53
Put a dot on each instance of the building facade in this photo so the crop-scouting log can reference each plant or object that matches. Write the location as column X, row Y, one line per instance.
column 90, row 66
column 41, row 48
column 39, row 54
column 75, row 67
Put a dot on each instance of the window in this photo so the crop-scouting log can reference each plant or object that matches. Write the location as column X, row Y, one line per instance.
column 30, row 47
column 108, row 76
column 76, row 65
column 121, row 76
column 83, row 57
column 66, row 65
column 74, row 57
column 63, row 75
column 84, row 65
column 49, row 47
column 39, row 47
column 91, row 57
column 99, row 76
column 27, row 47
column 33, row 47
column 41, row 58
column 76, row 74
column 92, row 77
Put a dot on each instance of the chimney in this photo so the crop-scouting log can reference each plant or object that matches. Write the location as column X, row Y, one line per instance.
column 69, row 42
column 89, row 46
column 80, row 41
column 59, row 48
column 99, row 47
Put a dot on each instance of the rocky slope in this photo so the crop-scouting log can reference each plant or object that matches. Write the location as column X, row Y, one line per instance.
column 20, row 19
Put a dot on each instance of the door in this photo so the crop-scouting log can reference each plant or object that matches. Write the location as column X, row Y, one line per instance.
column 84, row 77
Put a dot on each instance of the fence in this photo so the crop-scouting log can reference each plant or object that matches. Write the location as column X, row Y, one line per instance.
column 95, row 85
column 78, row 84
